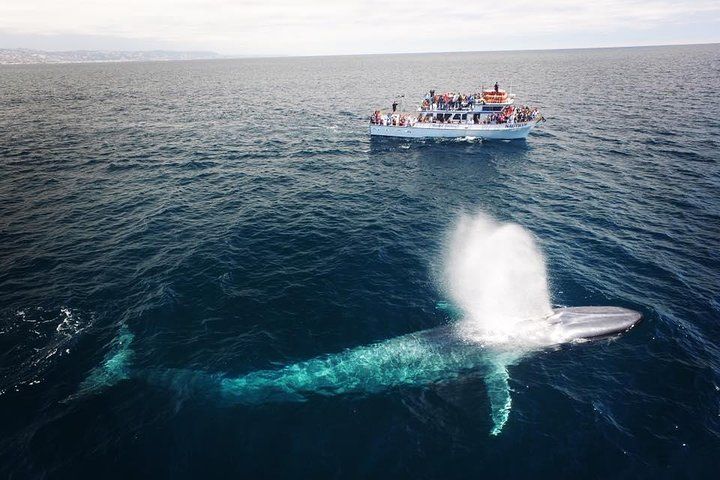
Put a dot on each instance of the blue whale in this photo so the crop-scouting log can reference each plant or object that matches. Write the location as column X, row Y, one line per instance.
column 421, row 358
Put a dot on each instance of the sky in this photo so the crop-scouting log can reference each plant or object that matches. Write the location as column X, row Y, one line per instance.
column 327, row 27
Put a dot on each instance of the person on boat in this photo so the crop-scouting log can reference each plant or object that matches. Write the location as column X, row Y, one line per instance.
column 497, row 87
column 394, row 106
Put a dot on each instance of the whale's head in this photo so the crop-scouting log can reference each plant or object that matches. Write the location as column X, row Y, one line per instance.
column 590, row 323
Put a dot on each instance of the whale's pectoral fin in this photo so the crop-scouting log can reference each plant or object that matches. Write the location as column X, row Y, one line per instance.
column 499, row 395
column 115, row 366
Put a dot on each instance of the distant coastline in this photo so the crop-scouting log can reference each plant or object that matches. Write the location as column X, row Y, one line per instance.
column 26, row 56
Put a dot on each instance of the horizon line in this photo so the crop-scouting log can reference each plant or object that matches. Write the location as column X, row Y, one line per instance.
column 221, row 56
column 238, row 56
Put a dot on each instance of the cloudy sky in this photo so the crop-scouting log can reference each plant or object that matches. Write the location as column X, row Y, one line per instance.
column 316, row 27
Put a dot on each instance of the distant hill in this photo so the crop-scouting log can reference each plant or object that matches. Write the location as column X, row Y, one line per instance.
column 27, row 56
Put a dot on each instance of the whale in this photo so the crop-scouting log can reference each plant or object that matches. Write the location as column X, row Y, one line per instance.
column 434, row 356
column 498, row 313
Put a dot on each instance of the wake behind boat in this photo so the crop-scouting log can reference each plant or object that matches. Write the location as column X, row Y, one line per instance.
column 491, row 114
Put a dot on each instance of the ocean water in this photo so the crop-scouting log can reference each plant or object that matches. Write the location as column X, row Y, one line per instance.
column 233, row 216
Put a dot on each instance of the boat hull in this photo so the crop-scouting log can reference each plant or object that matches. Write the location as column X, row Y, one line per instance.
column 488, row 132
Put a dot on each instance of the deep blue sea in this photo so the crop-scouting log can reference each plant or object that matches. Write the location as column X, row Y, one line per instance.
column 234, row 215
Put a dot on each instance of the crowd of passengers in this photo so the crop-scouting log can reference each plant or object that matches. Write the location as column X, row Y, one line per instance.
column 453, row 101
column 395, row 119
column 450, row 101
column 508, row 115
column 526, row 114
column 512, row 115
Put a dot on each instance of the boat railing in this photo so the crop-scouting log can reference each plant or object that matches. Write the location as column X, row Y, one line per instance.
column 470, row 126
column 474, row 108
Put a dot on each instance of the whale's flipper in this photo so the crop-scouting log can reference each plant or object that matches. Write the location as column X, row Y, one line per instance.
column 114, row 368
column 499, row 395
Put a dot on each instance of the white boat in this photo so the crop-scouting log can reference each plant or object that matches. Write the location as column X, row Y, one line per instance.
column 490, row 115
